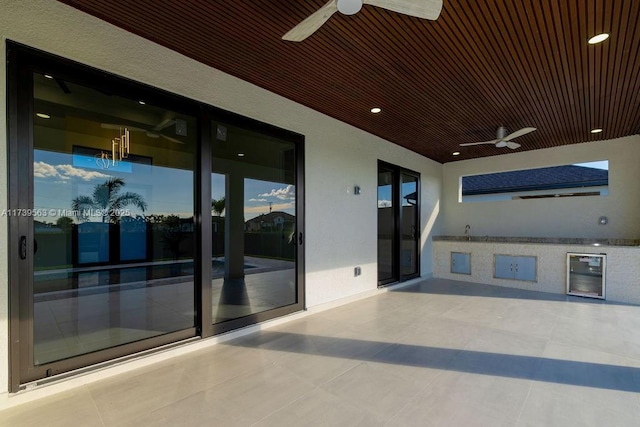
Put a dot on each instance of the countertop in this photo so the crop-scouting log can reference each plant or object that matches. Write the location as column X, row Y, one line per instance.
column 540, row 240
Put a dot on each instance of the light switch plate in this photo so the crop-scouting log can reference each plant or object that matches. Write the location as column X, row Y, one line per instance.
column 221, row 133
column 181, row 127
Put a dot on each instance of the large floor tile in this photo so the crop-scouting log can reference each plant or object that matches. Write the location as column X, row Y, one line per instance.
column 320, row 408
column 376, row 388
column 70, row 408
column 438, row 352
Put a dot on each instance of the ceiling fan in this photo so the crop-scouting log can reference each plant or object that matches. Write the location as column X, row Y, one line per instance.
column 502, row 139
column 425, row 9
column 154, row 132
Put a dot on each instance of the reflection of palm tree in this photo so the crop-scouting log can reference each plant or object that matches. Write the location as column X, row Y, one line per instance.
column 107, row 198
column 217, row 206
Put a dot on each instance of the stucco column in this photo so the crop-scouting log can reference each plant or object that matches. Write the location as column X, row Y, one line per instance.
column 234, row 227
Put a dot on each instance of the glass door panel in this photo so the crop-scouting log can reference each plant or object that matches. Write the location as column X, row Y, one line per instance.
column 254, row 220
column 387, row 266
column 398, row 224
column 113, row 187
column 409, row 215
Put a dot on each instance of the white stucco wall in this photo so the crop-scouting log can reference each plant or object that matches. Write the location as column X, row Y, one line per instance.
column 553, row 217
column 340, row 227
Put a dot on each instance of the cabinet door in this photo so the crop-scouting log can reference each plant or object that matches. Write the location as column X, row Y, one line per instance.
column 460, row 263
column 504, row 266
column 526, row 268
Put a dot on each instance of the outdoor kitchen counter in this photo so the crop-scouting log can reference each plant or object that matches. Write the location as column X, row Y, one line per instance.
column 622, row 265
column 540, row 240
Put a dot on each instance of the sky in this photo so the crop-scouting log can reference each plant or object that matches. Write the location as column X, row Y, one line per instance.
column 58, row 179
column 602, row 164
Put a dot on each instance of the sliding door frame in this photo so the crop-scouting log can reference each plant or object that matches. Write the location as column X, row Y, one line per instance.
column 397, row 171
column 22, row 61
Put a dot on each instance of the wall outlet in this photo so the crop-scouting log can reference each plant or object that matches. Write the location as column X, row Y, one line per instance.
column 357, row 271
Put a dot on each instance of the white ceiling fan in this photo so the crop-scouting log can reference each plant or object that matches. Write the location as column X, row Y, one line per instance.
column 425, row 9
column 502, row 139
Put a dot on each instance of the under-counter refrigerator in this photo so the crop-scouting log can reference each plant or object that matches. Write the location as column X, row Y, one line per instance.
column 586, row 274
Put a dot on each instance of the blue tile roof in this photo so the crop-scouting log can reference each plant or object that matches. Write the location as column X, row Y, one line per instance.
column 555, row 177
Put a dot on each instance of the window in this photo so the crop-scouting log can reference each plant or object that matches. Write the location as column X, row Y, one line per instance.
column 575, row 180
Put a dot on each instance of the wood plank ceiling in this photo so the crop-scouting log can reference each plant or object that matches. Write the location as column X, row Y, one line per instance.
column 480, row 65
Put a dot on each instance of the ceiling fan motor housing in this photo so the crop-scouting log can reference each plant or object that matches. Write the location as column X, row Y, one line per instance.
column 349, row 7
column 502, row 132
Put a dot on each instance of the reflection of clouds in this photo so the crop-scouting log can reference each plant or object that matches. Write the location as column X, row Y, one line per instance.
column 64, row 172
column 44, row 170
column 384, row 203
column 257, row 200
column 285, row 193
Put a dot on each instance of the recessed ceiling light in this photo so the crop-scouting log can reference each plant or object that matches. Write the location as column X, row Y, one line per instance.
column 240, row 154
column 599, row 38
column 141, row 102
column 376, row 110
column 456, row 153
column 48, row 76
column 598, row 130
column 43, row 115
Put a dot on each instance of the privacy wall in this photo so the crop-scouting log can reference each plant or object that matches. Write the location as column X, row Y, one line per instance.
column 551, row 217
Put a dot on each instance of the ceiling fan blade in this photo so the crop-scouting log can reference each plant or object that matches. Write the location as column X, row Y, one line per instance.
column 512, row 145
column 312, row 23
column 425, row 9
column 518, row 133
column 468, row 144
column 501, row 143
column 171, row 139
column 164, row 124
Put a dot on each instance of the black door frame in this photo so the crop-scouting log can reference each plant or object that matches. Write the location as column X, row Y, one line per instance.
column 396, row 192
column 22, row 61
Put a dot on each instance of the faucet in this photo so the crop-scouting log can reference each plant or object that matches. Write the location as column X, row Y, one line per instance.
column 467, row 232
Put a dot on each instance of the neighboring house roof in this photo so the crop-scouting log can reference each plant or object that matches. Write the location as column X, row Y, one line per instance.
column 556, row 177
column 271, row 217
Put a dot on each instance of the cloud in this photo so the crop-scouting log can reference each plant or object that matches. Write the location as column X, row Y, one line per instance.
column 257, row 200
column 64, row 172
column 44, row 170
column 285, row 193
column 86, row 175
column 384, row 203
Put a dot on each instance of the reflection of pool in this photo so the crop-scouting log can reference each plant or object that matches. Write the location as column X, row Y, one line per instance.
column 49, row 281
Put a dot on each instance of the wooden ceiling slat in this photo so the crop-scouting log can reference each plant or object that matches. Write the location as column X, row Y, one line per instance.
column 615, row 89
column 630, row 119
column 482, row 64
column 532, row 76
column 558, row 10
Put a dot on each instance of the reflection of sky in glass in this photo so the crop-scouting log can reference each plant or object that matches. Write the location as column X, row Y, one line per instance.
column 258, row 194
column 408, row 189
column 603, row 164
column 57, row 182
column 165, row 190
column 384, row 194
column 261, row 197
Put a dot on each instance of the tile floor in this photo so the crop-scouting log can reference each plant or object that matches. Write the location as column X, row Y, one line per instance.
column 435, row 353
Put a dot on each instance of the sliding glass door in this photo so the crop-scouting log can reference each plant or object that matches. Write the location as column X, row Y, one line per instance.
column 139, row 218
column 254, row 225
column 398, row 224
column 111, row 224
